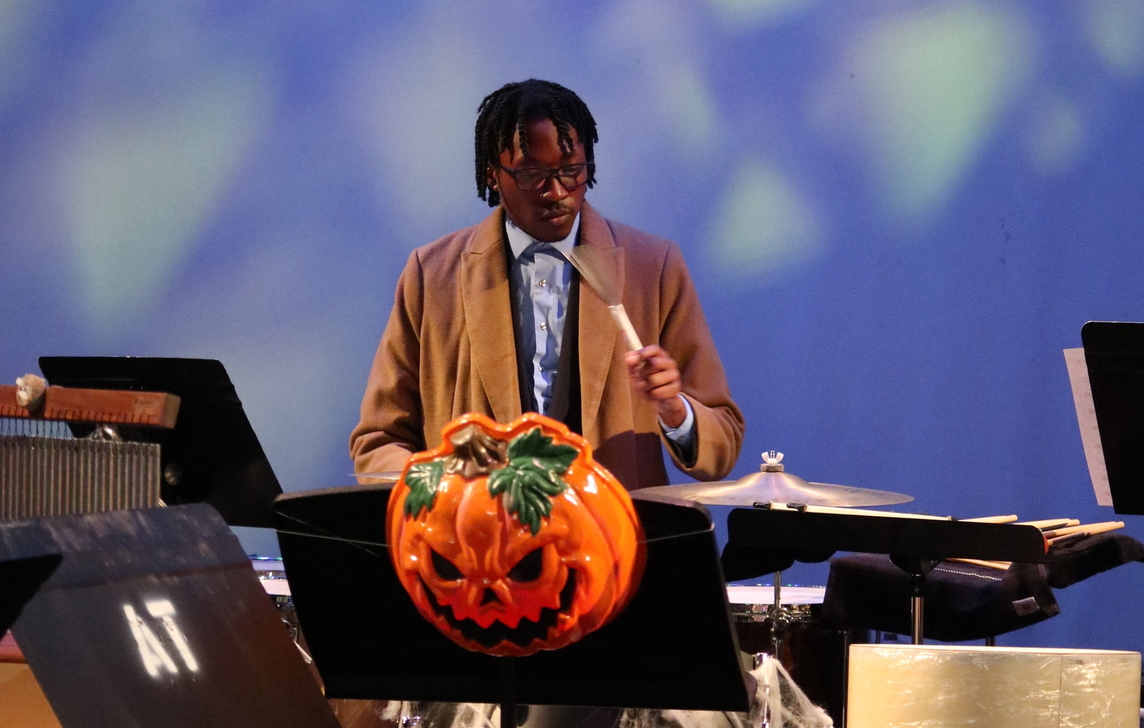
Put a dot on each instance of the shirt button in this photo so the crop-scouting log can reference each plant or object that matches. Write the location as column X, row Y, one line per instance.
column 543, row 327
column 543, row 282
column 541, row 369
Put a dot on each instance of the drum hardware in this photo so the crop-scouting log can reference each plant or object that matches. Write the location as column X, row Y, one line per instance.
column 811, row 652
column 761, row 659
column 272, row 576
column 780, row 616
column 771, row 484
column 780, row 702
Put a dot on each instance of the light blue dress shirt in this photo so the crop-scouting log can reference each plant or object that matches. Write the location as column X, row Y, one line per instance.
column 544, row 276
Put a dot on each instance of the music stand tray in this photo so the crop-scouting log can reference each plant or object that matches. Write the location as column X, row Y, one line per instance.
column 903, row 538
column 914, row 545
column 672, row 648
column 155, row 617
column 212, row 455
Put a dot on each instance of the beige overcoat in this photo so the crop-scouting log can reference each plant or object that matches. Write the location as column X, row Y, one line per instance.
column 448, row 349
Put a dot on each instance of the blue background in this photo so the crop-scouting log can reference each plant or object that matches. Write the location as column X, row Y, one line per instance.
column 898, row 213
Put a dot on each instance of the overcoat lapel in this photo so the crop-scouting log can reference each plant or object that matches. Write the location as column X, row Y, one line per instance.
column 488, row 315
column 597, row 330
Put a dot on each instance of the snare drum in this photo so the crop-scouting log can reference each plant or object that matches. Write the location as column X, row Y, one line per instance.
column 350, row 713
column 272, row 576
column 813, row 653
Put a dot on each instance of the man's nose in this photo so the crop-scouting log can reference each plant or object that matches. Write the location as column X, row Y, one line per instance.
column 553, row 190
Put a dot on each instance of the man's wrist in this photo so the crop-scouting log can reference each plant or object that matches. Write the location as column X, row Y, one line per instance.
column 680, row 413
column 672, row 412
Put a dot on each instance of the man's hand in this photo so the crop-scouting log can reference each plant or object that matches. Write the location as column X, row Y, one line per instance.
column 655, row 375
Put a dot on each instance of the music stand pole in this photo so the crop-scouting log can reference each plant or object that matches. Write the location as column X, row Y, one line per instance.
column 508, row 692
column 917, row 608
column 917, row 567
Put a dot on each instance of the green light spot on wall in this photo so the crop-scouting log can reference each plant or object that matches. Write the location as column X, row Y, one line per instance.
column 141, row 180
column 922, row 94
column 18, row 32
column 752, row 14
column 761, row 223
column 1056, row 135
column 1115, row 28
column 684, row 92
column 664, row 71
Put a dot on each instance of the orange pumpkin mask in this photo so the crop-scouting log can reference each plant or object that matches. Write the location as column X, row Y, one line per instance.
column 512, row 539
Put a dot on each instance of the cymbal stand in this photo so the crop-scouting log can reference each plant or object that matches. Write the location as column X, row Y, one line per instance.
column 768, row 685
column 781, row 617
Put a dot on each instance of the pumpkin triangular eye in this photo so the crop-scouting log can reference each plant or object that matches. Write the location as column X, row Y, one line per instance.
column 445, row 568
column 529, row 568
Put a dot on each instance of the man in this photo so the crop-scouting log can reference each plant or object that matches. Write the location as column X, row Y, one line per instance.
column 493, row 319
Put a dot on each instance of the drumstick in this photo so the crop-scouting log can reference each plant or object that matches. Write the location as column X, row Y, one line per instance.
column 855, row 512
column 1092, row 529
column 999, row 565
column 1051, row 523
column 1054, row 537
column 990, row 519
column 1068, row 538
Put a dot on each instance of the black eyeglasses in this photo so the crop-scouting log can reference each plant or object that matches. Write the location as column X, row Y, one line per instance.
column 570, row 176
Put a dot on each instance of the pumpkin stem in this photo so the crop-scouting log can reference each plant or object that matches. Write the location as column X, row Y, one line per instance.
column 475, row 453
column 526, row 473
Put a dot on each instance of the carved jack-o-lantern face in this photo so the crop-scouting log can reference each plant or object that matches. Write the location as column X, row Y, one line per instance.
column 512, row 539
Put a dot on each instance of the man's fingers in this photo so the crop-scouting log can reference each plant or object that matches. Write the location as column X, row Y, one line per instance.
column 653, row 373
column 660, row 378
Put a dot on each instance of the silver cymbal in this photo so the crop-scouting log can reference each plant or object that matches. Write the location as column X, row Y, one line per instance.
column 772, row 485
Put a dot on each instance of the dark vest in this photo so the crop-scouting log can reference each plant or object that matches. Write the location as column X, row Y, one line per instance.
column 565, row 405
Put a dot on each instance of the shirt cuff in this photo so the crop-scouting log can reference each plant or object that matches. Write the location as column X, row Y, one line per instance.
column 684, row 435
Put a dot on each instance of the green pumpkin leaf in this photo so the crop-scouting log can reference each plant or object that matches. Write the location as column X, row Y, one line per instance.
column 535, row 445
column 423, row 479
column 532, row 476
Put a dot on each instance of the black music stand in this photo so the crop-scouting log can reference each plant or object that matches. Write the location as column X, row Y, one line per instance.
column 154, row 617
column 1114, row 356
column 212, row 455
column 19, row 580
column 914, row 545
column 672, row 648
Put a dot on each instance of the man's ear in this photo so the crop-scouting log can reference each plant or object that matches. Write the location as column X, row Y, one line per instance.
column 490, row 178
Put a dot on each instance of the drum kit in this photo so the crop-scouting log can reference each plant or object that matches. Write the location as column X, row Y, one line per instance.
column 783, row 623
column 773, row 485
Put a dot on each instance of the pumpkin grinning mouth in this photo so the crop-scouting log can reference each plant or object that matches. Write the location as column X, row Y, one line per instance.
column 526, row 631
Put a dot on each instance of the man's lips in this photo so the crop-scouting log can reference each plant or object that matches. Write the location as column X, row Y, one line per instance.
column 554, row 213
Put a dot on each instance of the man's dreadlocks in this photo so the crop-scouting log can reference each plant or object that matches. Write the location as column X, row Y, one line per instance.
column 505, row 114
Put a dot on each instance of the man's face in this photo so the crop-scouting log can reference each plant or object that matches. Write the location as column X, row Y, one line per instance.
column 547, row 214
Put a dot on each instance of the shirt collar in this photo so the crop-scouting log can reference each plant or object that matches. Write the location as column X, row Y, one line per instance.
column 519, row 240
